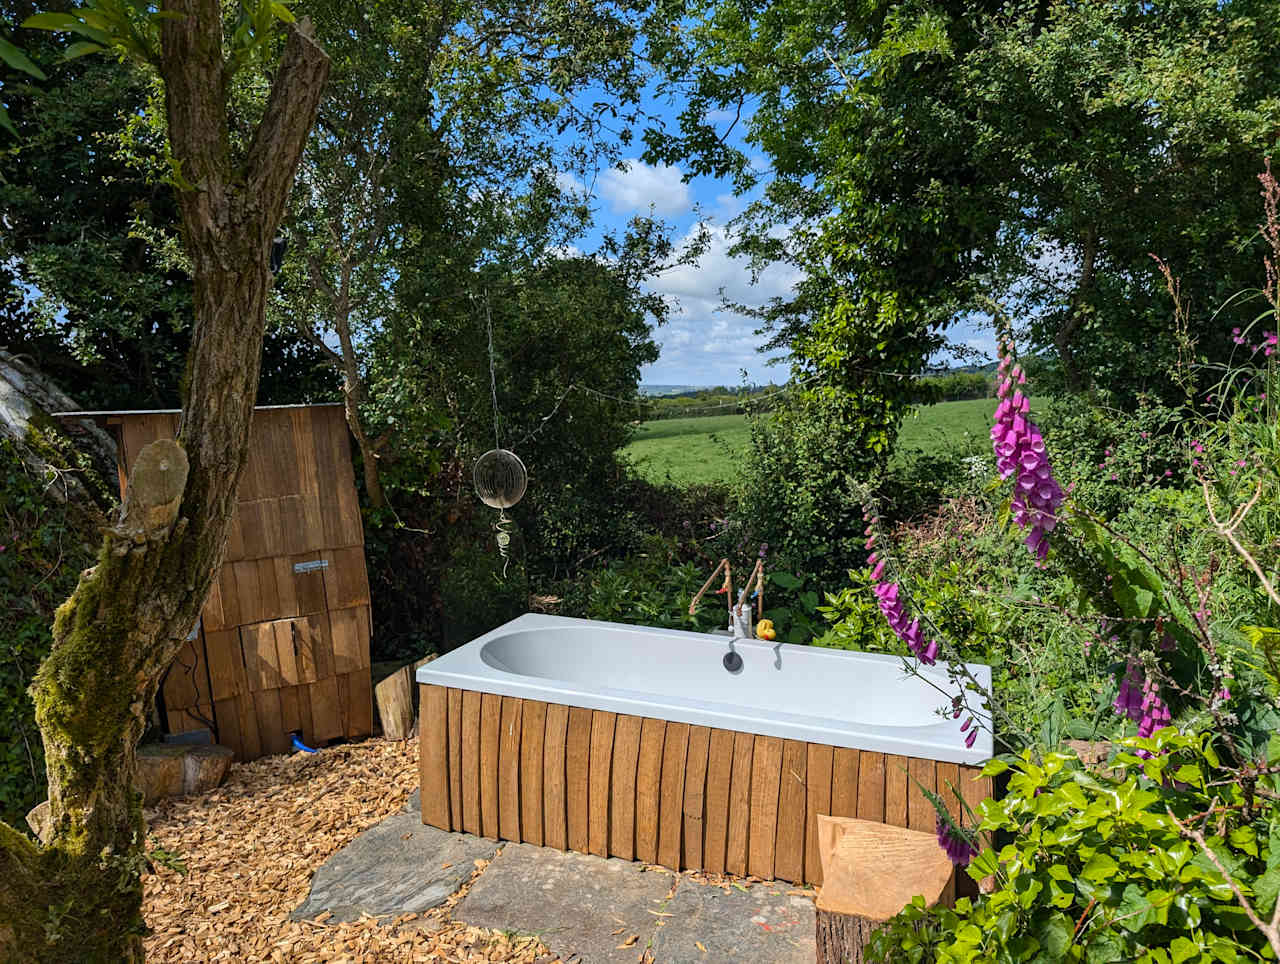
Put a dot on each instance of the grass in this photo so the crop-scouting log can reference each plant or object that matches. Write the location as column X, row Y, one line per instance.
column 700, row 450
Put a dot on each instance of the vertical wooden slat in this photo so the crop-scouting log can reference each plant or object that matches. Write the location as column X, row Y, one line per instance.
column 326, row 710
column 490, row 737
column 228, row 720
column 920, row 814
column 845, row 764
column 871, row 786
column 948, row 776
column 433, row 755
column 509, row 769
column 622, row 819
column 648, row 788
column 695, row 783
column 471, row 713
column 533, row 724
column 675, row 754
column 716, row 824
column 248, row 721
column 973, row 787
column 817, row 800
column 359, row 689
column 291, row 699
column 895, row 790
column 788, row 857
column 555, row 832
column 735, row 857
column 577, row 779
column 601, row 757
column 227, row 676
column 455, row 759
column 766, row 780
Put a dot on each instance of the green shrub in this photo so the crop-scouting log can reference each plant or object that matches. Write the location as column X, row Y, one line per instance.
column 476, row 595
column 45, row 541
column 652, row 587
column 1099, row 865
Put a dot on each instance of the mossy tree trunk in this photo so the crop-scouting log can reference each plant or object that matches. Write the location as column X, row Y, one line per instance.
column 77, row 896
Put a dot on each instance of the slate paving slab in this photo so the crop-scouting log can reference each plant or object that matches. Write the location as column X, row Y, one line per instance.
column 397, row 866
column 760, row 923
column 582, row 907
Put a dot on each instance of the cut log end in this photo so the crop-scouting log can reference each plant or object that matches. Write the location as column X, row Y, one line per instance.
column 155, row 490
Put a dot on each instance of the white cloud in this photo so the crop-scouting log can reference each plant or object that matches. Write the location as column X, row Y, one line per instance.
column 637, row 186
column 570, row 184
column 702, row 343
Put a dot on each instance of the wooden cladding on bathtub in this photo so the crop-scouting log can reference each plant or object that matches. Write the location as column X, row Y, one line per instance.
column 683, row 796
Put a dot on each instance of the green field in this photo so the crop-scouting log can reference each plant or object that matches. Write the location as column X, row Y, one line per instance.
column 691, row 450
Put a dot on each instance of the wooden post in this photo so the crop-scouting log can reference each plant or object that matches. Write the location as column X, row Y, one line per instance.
column 394, row 696
column 870, row 871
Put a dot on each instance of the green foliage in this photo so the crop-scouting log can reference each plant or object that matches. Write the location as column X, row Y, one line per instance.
column 795, row 610
column 475, row 594
column 651, row 587
column 15, row 60
column 70, row 239
column 925, row 158
column 696, row 449
column 957, row 386
column 1099, row 865
column 132, row 30
column 45, row 541
column 797, row 492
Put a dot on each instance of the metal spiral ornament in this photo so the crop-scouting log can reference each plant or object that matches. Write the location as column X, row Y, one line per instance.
column 500, row 481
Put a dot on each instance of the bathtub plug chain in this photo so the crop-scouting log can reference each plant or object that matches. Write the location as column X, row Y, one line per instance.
column 503, row 528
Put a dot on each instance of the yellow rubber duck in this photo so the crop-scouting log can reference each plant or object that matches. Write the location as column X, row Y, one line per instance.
column 765, row 630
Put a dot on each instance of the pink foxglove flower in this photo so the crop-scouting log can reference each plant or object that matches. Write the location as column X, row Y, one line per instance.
column 1021, row 455
column 957, row 846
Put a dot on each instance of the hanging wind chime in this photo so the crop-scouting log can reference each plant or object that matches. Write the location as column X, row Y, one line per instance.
column 499, row 475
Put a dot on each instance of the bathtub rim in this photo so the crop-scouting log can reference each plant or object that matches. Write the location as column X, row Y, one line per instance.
column 464, row 668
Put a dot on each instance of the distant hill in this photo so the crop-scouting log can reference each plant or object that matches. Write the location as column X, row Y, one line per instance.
column 659, row 391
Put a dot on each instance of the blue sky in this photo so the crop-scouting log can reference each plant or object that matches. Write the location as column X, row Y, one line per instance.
column 703, row 343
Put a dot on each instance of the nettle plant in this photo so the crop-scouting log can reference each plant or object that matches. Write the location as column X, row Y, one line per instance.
column 1170, row 851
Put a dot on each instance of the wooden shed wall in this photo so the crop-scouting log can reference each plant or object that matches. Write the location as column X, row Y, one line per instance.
column 279, row 649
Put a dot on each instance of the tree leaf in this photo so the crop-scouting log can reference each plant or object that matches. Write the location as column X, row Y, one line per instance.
column 51, row 21
column 82, row 48
column 16, row 59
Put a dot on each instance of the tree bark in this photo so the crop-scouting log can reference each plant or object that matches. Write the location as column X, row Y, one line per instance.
column 843, row 938
column 353, row 392
column 1071, row 373
column 78, row 895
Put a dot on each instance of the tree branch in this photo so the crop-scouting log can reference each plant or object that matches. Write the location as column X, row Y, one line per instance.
column 291, row 110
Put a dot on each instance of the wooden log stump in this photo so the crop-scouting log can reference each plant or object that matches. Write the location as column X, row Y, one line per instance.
column 394, row 696
column 870, row 871
column 842, row 938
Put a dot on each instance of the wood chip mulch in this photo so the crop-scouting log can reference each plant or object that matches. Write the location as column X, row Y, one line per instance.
column 250, row 848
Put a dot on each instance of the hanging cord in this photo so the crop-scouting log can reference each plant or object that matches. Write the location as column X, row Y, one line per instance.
column 504, row 525
column 493, row 375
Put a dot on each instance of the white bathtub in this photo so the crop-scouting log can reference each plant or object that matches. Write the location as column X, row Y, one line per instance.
column 817, row 695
